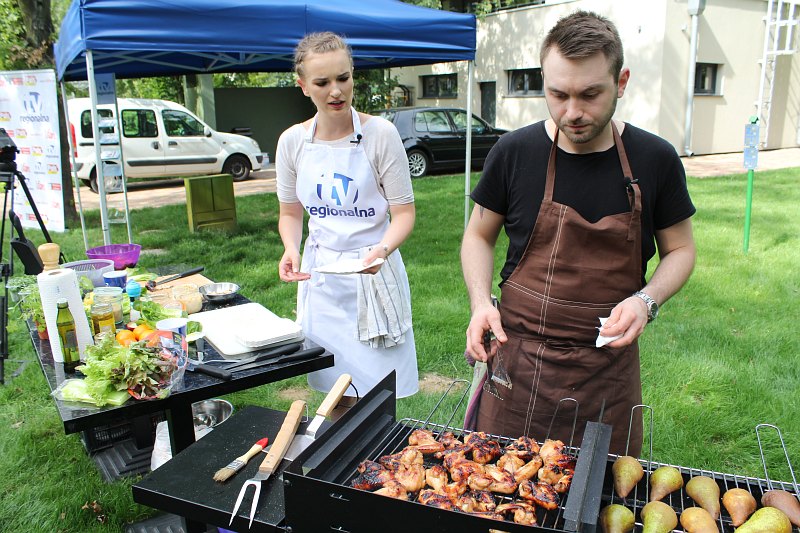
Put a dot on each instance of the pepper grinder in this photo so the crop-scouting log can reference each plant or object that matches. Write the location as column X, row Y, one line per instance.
column 49, row 252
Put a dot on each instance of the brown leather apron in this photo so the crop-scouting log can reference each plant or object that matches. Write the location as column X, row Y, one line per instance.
column 572, row 273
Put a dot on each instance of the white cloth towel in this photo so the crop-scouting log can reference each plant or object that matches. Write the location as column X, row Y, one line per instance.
column 384, row 310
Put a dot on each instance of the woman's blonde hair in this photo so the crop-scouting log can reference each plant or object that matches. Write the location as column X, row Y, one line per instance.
column 319, row 43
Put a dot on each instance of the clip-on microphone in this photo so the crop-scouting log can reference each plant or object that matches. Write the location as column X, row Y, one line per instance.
column 357, row 141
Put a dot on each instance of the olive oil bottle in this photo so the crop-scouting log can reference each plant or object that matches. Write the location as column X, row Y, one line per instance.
column 67, row 336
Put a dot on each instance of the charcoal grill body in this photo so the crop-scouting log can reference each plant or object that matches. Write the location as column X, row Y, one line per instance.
column 318, row 495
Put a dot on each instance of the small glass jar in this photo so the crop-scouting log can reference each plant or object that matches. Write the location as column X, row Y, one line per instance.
column 113, row 296
column 189, row 295
column 102, row 318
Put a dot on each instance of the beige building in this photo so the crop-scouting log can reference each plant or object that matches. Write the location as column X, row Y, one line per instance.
column 728, row 88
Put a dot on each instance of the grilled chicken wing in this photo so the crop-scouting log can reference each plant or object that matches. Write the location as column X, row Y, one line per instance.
column 393, row 489
column 372, row 476
column 436, row 477
column 425, row 442
column 510, row 463
column 523, row 513
column 562, row 485
column 462, row 470
column 476, row 502
column 484, row 449
column 434, row 499
column 540, row 493
column 553, row 471
column 449, row 440
column 493, row 479
column 408, row 455
column 551, row 448
column 528, row 470
column 524, row 448
column 455, row 489
column 461, row 449
column 411, row 476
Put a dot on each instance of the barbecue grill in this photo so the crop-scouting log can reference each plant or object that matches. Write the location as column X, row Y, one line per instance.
column 318, row 495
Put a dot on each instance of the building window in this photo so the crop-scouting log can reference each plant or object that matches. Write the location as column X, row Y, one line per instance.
column 705, row 78
column 525, row 82
column 440, row 86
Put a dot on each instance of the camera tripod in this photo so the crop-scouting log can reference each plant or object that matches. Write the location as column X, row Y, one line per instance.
column 9, row 177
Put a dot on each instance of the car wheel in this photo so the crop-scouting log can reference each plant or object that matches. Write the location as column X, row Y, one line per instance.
column 237, row 166
column 93, row 181
column 417, row 163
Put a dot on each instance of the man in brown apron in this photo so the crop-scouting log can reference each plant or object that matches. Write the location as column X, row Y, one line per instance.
column 583, row 201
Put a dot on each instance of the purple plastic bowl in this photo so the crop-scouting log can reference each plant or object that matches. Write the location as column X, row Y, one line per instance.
column 123, row 255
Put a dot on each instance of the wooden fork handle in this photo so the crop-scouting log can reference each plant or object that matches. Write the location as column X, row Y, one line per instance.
column 284, row 437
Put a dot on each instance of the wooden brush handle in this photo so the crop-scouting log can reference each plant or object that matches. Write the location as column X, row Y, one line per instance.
column 332, row 399
column 284, row 437
column 257, row 447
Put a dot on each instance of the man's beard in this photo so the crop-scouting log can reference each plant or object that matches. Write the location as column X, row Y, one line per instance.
column 593, row 129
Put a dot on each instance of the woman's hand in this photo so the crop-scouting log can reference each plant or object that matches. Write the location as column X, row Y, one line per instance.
column 289, row 267
column 376, row 253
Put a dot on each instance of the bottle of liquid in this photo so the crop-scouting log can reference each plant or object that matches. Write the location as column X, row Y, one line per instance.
column 102, row 318
column 134, row 290
column 67, row 336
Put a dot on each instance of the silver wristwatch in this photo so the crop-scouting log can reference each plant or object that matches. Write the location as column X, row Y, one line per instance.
column 652, row 305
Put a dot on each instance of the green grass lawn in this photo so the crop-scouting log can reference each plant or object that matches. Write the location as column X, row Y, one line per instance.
column 723, row 356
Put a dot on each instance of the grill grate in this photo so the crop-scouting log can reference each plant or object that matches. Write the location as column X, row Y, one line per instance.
column 680, row 500
column 397, row 439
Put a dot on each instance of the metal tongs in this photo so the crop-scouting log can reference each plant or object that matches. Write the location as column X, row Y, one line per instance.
column 499, row 374
column 273, row 459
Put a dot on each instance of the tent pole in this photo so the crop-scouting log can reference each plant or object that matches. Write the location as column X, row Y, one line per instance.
column 75, row 180
column 468, row 154
column 101, row 180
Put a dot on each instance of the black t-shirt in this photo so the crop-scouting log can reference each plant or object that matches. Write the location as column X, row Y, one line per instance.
column 514, row 175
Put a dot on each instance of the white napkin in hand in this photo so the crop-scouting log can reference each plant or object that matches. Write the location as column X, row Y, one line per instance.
column 602, row 341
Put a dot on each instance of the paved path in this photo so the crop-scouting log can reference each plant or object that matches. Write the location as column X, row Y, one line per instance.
column 171, row 191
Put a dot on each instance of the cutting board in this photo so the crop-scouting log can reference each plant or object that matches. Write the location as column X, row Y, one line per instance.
column 224, row 328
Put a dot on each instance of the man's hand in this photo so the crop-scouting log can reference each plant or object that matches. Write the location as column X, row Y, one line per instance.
column 484, row 319
column 628, row 319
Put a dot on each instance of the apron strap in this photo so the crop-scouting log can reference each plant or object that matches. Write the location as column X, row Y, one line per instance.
column 631, row 184
column 356, row 128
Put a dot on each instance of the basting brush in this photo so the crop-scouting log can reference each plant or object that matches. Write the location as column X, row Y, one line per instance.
column 223, row 474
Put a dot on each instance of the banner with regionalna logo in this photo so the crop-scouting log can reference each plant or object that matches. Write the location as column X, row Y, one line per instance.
column 29, row 114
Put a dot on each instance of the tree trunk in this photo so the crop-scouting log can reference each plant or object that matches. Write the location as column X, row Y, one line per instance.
column 38, row 34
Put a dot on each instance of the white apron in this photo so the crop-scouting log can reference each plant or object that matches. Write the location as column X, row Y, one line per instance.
column 347, row 212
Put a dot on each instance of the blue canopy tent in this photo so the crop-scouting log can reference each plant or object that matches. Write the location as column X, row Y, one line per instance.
column 140, row 38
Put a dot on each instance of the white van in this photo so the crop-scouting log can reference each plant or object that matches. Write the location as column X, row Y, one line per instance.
column 159, row 139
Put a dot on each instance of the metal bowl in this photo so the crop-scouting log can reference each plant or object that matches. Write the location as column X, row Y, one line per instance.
column 219, row 292
column 211, row 412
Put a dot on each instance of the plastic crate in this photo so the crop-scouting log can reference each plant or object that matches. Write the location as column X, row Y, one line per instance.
column 103, row 437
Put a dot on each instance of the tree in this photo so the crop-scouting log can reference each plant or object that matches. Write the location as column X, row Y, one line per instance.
column 29, row 45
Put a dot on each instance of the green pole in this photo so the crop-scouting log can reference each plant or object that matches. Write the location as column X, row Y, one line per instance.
column 748, row 208
column 751, row 140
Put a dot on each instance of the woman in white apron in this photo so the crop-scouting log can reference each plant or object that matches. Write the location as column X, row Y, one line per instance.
column 349, row 172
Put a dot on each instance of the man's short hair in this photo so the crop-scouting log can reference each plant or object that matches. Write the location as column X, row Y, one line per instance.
column 582, row 34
